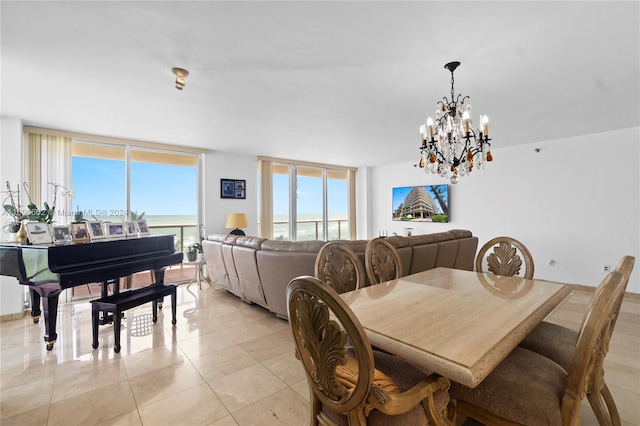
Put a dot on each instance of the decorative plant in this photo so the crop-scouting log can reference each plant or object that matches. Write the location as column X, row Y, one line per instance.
column 194, row 248
column 45, row 215
column 13, row 209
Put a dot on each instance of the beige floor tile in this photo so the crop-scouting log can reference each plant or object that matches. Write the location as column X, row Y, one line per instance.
column 252, row 330
column 225, row 421
column 163, row 383
column 269, row 346
column 152, row 359
column 131, row 418
column 19, row 374
column 221, row 363
column 246, row 386
column 286, row 367
column 302, row 388
column 71, row 382
column 285, row 408
column 195, row 406
column 628, row 403
column 95, row 407
column 204, row 344
column 26, row 397
column 35, row 417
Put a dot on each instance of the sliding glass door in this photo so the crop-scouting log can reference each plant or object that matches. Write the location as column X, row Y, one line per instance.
column 302, row 202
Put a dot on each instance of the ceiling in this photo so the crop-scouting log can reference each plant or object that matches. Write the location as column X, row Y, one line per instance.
column 345, row 83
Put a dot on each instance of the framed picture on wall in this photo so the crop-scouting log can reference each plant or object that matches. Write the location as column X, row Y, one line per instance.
column 233, row 188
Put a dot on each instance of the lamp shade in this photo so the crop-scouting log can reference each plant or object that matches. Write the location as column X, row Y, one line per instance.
column 237, row 220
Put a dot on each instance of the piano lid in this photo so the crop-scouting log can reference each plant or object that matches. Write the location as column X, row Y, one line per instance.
column 80, row 263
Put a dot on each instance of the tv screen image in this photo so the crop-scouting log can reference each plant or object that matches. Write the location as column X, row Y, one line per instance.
column 429, row 203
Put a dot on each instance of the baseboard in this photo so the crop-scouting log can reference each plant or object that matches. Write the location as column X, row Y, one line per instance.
column 16, row 316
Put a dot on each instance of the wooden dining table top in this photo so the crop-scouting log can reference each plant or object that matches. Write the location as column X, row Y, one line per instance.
column 459, row 324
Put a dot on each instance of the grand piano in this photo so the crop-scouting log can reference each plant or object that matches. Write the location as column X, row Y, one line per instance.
column 49, row 269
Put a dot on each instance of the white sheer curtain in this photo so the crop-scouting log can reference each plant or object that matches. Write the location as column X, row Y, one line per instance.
column 47, row 164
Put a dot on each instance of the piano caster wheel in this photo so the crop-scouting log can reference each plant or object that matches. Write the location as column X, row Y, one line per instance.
column 49, row 346
column 173, row 322
column 36, row 320
column 116, row 349
column 94, row 345
column 159, row 305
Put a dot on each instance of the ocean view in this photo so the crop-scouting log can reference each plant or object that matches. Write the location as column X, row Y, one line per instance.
column 310, row 227
column 164, row 224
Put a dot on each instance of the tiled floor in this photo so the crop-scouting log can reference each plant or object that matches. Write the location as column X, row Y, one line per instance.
column 225, row 363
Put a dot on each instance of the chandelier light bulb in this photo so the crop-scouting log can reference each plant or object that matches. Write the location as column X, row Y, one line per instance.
column 453, row 147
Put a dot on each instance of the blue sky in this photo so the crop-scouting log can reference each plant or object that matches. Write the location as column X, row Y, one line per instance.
column 310, row 195
column 172, row 190
column 155, row 188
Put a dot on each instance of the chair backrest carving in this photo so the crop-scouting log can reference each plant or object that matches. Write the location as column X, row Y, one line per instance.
column 382, row 261
column 339, row 266
column 506, row 258
column 320, row 340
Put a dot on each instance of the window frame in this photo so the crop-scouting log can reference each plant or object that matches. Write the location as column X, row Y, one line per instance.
column 265, row 198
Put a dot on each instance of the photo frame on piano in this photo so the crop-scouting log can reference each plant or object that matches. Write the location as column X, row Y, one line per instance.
column 116, row 230
column 79, row 232
column 61, row 234
column 96, row 231
column 143, row 228
column 38, row 233
column 130, row 228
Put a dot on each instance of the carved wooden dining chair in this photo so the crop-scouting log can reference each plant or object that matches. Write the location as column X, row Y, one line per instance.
column 530, row 389
column 344, row 384
column 382, row 261
column 558, row 343
column 339, row 266
column 506, row 258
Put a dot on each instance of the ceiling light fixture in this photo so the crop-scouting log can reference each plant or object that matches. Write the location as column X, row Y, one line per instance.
column 451, row 146
column 181, row 74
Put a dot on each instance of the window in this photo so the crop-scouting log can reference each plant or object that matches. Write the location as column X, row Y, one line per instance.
column 162, row 187
column 306, row 201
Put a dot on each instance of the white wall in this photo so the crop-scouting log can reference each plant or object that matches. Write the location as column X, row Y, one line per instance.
column 11, row 293
column 576, row 202
column 219, row 165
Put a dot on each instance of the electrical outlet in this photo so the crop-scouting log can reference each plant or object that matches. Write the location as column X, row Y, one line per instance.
column 606, row 268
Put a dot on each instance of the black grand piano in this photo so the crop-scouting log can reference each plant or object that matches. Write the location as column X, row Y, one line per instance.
column 49, row 269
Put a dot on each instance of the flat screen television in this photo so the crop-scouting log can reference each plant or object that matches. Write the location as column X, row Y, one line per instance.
column 429, row 203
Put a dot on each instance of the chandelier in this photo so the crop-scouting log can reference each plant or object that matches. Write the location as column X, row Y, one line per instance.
column 451, row 146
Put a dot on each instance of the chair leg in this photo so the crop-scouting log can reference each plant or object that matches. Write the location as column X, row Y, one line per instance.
column 599, row 408
column 611, row 405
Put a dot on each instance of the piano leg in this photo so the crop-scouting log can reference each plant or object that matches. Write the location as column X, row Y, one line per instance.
column 49, row 294
column 35, row 306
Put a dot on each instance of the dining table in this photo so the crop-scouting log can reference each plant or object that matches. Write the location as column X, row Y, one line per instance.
column 456, row 323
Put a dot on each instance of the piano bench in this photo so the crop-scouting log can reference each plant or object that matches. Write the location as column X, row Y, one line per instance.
column 120, row 302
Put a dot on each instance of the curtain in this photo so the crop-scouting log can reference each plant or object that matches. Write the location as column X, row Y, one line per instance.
column 48, row 164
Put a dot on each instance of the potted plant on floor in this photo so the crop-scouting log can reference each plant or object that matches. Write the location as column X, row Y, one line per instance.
column 193, row 252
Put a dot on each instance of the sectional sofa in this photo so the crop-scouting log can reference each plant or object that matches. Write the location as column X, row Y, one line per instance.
column 258, row 270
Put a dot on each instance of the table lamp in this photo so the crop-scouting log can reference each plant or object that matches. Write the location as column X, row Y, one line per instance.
column 237, row 220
